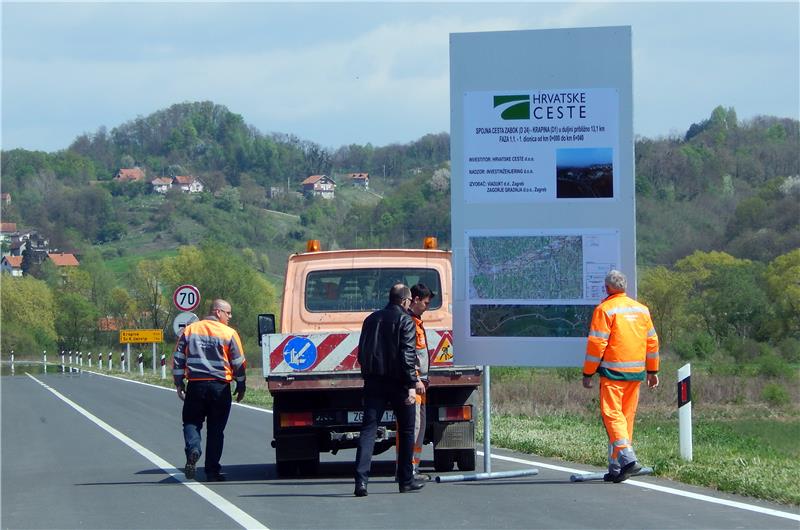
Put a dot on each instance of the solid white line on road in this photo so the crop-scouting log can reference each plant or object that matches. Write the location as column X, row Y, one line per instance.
column 216, row 500
column 662, row 489
column 243, row 405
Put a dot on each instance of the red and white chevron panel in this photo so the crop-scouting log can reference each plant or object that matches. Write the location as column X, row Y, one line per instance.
column 336, row 352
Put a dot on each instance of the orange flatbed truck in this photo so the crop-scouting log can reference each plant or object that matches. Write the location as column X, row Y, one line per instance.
column 311, row 366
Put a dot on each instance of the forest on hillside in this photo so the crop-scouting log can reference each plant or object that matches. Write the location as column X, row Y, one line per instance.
column 718, row 221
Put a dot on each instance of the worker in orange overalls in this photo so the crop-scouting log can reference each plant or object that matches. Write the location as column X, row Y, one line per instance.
column 421, row 297
column 623, row 349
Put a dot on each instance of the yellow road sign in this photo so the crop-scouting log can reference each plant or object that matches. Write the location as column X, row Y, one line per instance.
column 139, row 336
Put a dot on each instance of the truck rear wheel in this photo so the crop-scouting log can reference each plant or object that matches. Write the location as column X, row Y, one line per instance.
column 443, row 459
column 466, row 460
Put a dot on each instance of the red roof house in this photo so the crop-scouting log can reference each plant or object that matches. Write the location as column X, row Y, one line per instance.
column 63, row 260
column 130, row 174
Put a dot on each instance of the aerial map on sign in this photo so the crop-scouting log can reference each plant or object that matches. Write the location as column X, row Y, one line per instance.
column 546, row 267
column 537, row 283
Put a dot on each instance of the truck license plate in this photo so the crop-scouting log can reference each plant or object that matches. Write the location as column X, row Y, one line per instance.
column 358, row 416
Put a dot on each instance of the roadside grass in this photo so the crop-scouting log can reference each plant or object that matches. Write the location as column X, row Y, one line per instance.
column 743, row 443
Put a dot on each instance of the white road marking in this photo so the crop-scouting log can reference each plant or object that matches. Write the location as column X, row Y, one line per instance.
column 243, row 405
column 662, row 489
column 654, row 487
column 217, row 501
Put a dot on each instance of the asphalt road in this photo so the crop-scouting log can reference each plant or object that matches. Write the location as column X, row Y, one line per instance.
column 89, row 451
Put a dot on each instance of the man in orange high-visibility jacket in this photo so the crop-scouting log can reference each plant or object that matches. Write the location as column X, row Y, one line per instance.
column 209, row 354
column 623, row 349
column 421, row 297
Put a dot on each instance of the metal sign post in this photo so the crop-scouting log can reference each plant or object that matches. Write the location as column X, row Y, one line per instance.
column 487, row 445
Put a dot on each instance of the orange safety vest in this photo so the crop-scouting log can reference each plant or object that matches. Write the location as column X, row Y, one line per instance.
column 623, row 344
column 208, row 350
column 421, row 348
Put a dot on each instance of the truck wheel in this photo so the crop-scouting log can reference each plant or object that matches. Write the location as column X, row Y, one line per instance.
column 466, row 460
column 443, row 460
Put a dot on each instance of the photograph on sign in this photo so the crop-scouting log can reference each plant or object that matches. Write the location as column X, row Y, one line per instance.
column 536, row 283
column 540, row 145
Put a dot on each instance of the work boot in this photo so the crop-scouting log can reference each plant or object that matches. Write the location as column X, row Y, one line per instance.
column 609, row 477
column 361, row 489
column 414, row 485
column 631, row 468
column 191, row 464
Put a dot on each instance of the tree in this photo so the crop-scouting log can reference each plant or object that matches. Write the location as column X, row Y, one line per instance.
column 76, row 320
column 219, row 272
column 28, row 315
column 666, row 293
column 783, row 282
column 147, row 284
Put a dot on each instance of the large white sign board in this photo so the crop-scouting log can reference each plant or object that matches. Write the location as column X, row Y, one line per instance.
column 542, row 189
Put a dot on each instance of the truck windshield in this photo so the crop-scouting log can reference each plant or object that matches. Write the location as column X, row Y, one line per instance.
column 357, row 290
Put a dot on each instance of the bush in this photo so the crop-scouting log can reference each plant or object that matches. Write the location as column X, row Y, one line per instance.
column 695, row 346
column 743, row 350
column 789, row 349
column 770, row 365
column 775, row 394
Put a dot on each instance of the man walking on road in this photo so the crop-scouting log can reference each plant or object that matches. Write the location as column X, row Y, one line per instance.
column 622, row 348
column 387, row 356
column 209, row 355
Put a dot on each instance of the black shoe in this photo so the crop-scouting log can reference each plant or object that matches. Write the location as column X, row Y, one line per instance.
column 216, row 477
column 609, row 477
column 414, row 485
column 191, row 464
column 361, row 490
column 627, row 470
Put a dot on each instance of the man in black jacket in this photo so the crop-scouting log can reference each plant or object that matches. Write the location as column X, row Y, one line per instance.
column 387, row 357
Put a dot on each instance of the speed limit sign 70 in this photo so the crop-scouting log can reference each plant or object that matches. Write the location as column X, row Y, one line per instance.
column 186, row 297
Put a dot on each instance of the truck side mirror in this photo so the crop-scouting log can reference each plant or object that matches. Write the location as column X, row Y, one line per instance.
column 266, row 325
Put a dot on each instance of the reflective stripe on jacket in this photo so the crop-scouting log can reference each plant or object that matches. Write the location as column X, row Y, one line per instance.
column 421, row 348
column 622, row 344
column 208, row 350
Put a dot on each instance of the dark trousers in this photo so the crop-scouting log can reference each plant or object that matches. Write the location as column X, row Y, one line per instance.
column 206, row 400
column 377, row 392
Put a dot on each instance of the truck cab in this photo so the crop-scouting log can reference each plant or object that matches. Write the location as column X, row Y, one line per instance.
column 311, row 365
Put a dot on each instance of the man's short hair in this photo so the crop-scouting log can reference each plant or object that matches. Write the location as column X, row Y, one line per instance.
column 422, row 292
column 398, row 293
column 617, row 281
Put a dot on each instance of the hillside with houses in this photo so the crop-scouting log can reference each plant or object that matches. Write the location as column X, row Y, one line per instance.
column 108, row 225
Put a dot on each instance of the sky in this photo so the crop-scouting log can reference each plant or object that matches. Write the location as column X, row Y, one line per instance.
column 363, row 72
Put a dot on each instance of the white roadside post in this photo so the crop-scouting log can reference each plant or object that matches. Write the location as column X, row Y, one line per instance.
column 89, row 357
column 44, row 360
column 80, row 359
column 12, row 362
column 685, row 411
column 110, row 360
column 122, row 361
column 163, row 366
column 62, row 362
column 140, row 360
